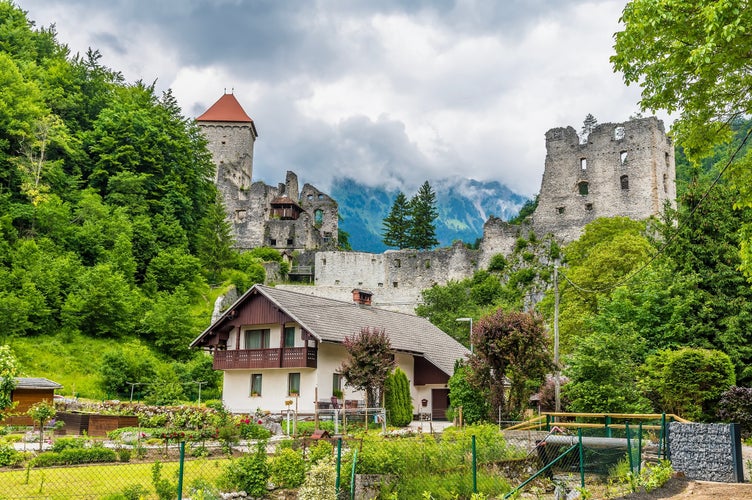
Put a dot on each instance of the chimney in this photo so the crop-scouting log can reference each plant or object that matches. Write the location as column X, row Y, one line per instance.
column 362, row 297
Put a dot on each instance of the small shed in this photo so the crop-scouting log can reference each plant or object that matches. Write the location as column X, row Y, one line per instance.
column 28, row 392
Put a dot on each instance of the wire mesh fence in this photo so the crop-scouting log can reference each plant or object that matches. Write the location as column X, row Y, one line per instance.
column 477, row 462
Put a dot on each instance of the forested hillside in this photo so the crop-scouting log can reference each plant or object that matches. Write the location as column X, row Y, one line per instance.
column 110, row 228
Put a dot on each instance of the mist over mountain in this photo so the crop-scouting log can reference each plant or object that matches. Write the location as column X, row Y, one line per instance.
column 464, row 205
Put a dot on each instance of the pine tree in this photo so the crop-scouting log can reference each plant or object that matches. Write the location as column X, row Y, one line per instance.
column 587, row 126
column 397, row 224
column 424, row 214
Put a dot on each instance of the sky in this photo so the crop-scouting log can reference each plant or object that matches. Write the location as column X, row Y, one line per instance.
column 391, row 93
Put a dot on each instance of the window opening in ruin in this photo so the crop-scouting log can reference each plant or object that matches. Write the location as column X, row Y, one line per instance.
column 336, row 282
column 273, row 242
column 323, row 262
column 321, row 196
column 665, row 183
column 623, row 157
column 624, row 182
column 588, row 206
column 668, row 159
column 618, row 133
column 289, row 242
column 360, row 283
column 427, row 264
column 373, row 261
column 380, row 285
column 310, row 197
column 397, row 263
column 318, row 217
column 394, row 284
column 583, row 163
column 583, row 187
column 559, row 210
column 223, row 142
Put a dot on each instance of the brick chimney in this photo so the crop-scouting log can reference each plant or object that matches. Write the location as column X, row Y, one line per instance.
column 362, row 297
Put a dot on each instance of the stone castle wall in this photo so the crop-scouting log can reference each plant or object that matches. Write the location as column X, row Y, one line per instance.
column 622, row 169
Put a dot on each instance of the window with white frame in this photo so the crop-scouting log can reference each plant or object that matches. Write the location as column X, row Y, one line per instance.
column 256, row 384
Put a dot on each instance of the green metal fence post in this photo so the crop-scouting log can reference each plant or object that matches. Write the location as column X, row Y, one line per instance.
column 475, row 468
column 639, row 449
column 181, row 470
column 607, row 419
column 352, row 475
column 339, row 463
column 629, row 448
column 582, row 459
column 662, row 439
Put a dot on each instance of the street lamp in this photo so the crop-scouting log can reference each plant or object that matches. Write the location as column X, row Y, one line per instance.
column 470, row 320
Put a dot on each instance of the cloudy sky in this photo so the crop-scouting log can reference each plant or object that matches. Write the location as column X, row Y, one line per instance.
column 390, row 92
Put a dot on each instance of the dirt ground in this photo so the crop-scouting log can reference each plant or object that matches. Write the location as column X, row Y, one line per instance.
column 679, row 488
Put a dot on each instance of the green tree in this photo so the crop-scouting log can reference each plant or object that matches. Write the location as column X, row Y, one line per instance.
column 397, row 400
column 369, row 363
column 8, row 374
column 215, row 241
column 423, row 213
column 510, row 348
column 588, row 125
column 474, row 400
column 697, row 64
column 397, row 225
column 168, row 324
column 41, row 413
column 602, row 372
column 688, row 382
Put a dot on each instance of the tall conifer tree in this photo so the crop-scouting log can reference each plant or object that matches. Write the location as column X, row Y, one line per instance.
column 397, row 223
column 424, row 214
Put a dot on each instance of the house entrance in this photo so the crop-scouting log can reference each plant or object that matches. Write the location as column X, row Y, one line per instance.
column 439, row 403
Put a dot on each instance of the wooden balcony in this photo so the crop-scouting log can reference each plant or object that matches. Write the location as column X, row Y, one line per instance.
column 288, row 357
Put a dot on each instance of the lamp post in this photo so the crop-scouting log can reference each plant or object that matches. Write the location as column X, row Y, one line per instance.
column 470, row 320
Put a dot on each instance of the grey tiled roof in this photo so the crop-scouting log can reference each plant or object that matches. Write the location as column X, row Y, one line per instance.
column 36, row 383
column 332, row 320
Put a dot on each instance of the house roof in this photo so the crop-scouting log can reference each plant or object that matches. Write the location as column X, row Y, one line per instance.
column 332, row 320
column 36, row 383
column 226, row 109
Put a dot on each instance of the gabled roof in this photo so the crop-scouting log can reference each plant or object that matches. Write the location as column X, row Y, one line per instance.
column 332, row 320
column 226, row 109
column 36, row 383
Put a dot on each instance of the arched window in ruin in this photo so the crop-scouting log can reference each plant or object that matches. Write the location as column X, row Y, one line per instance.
column 582, row 186
column 623, row 157
column 624, row 182
column 318, row 217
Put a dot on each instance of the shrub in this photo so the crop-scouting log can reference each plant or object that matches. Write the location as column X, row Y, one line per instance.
column 319, row 451
column 201, row 489
column 397, row 400
column 249, row 429
column 736, row 406
column 61, row 444
column 164, row 488
column 248, row 473
column 320, row 482
column 498, row 263
column 72, row 456
column 287, row 468
column 9, row 456
column 132, row 492
column 124, row 454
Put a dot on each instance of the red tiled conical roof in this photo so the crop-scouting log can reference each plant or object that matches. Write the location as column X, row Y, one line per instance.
column 226, row 109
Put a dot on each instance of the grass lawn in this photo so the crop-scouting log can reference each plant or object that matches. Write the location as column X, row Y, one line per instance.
column 97, row 481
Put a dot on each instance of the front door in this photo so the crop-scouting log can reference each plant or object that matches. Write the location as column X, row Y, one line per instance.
column 439, row 403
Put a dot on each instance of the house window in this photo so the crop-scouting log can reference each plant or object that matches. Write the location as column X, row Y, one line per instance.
column 293, row 384
column 583, row 187
column 583, row 163
column 624, row 179
column 257, row 339
column 289, row 336
column 336, row 382
column 256, row 384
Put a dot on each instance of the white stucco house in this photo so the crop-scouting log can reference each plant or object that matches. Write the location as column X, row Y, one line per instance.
column 272, row 344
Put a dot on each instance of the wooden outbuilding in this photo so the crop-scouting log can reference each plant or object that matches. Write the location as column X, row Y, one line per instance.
column 28, row 392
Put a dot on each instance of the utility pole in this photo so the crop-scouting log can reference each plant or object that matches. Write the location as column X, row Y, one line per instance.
column 557, row 373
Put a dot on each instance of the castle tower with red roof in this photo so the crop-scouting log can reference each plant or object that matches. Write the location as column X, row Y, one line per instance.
column 231, row 134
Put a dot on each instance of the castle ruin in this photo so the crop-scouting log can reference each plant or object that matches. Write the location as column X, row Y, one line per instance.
column 282, row 216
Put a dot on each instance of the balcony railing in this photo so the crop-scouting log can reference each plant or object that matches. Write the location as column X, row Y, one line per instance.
column 288, row 357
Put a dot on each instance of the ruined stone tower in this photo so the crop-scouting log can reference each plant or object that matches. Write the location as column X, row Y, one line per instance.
column 620, row 169
column 261, row 215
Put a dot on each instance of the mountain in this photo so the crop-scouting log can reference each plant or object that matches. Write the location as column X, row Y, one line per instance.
column 464, row 205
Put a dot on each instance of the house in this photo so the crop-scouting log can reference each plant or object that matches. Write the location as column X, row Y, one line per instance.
column 27, row 393
column 272, row 344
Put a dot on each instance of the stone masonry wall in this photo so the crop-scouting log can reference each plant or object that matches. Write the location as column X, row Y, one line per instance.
column 707, row 452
